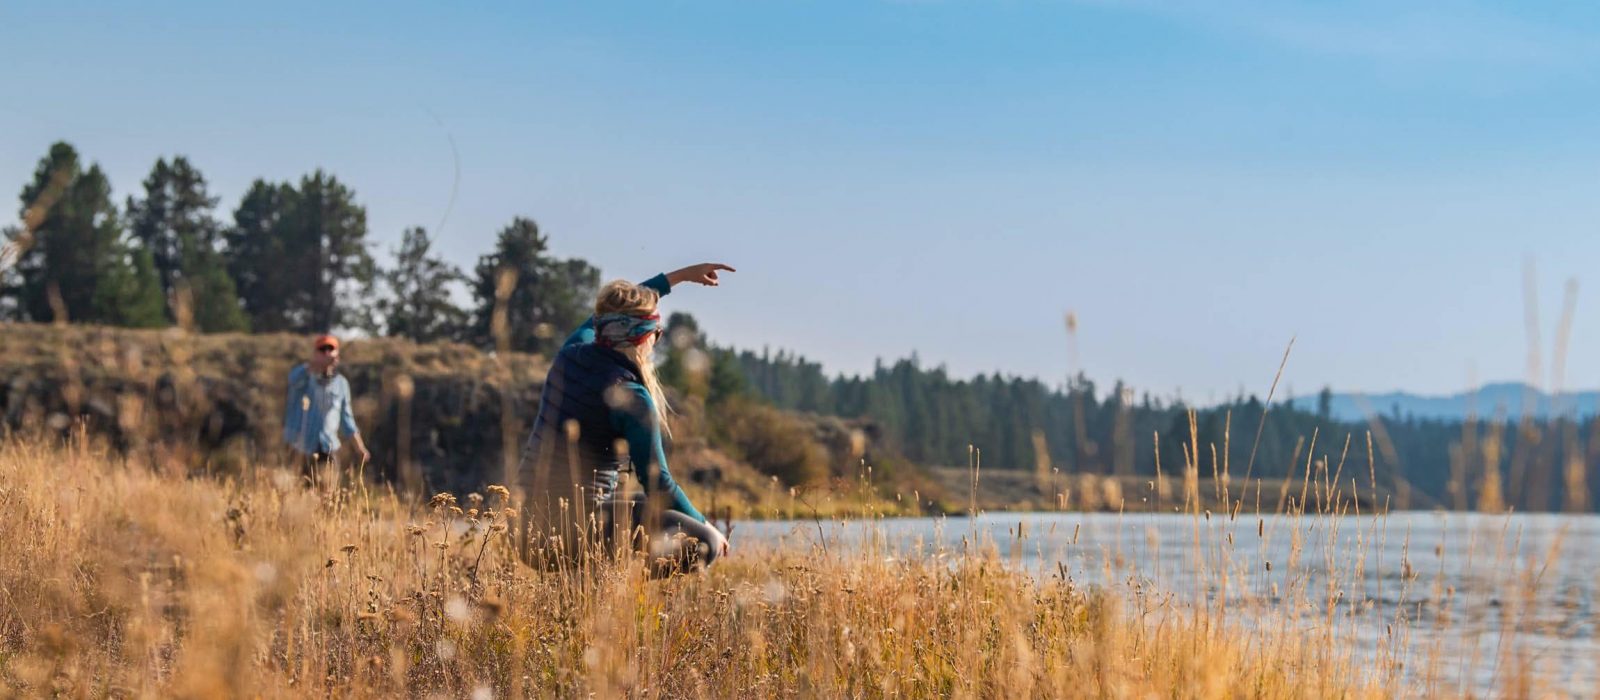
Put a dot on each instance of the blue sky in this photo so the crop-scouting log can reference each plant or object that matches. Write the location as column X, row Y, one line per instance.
column 1196, row 181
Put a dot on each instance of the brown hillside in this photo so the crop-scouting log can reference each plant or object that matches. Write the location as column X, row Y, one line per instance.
column 436, row 416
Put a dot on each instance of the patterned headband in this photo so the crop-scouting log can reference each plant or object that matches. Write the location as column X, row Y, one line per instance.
column 614, row 330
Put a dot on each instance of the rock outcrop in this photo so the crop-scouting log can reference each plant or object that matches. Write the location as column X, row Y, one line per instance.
column 437, row 417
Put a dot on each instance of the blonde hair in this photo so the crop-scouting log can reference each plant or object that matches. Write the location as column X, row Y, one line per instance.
column 624, row 297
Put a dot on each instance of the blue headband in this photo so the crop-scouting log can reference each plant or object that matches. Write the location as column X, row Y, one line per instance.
column 612, row 330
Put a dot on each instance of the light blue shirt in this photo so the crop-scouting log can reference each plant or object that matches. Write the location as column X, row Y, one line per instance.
column 317, row 412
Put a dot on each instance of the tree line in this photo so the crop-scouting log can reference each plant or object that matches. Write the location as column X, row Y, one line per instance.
column 1017, row 423
column 293, row 257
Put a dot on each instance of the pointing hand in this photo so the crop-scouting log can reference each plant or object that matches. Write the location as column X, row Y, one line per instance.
column 704, row 273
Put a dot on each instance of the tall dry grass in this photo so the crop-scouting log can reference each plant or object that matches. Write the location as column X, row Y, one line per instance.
column 124, row 581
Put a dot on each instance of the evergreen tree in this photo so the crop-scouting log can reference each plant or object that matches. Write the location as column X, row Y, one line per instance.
column 76, row 254
column 727, row 381
column 131, row 289
column 212, row 293
column 299, row 256
column 548, row 297
column 175, row 224
column 417, row 304
column 338, row 268
column 684, row 364
column 259, row 256
column 163, row 224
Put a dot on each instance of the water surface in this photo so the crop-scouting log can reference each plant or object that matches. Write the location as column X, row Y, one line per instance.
column 1460, row 598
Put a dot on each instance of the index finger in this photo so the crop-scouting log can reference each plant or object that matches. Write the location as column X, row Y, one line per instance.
column 720, row 266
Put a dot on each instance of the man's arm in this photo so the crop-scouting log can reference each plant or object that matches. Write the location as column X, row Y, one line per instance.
column 293, row 410
column 361, row 448
column 347, row 423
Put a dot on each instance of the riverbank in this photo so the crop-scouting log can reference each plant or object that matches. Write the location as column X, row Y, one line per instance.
column 126, row 579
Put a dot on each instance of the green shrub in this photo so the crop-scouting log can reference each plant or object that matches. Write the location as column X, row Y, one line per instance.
column 774, row 442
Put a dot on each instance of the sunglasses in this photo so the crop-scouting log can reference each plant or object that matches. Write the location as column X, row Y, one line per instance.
column 326, row 348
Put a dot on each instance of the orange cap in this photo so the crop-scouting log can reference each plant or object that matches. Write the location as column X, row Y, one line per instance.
column 324, row 339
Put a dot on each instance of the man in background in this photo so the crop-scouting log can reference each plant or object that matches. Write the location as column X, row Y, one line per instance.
column 318, row 410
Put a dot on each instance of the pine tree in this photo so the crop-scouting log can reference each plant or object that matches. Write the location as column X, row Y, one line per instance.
column 417, row 304
column 72, row 256
column 548, row 297
column 684, row 365
column 214, row 298
column 341, row 274
column 131, row 292
column 727, row 381
column 259, row 258
column 299, row 256
column 162, row 225
column 175, row 223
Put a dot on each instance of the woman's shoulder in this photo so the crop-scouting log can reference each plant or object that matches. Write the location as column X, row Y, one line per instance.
column 596, row 360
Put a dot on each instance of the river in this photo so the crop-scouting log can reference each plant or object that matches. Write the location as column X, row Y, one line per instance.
column 1464, row 602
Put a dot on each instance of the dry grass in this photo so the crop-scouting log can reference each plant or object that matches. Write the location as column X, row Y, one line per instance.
column 135, row 574
column 121, row 580
column 1023, row 491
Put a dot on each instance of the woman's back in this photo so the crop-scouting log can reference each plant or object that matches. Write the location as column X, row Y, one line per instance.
column 601, row 412
column 573, row 454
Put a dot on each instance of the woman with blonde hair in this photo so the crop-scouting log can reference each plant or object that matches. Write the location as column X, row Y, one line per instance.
column 602, row 412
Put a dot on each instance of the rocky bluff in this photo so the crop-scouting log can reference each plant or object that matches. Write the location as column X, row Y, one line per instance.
column 436, row 417
column 441, row 416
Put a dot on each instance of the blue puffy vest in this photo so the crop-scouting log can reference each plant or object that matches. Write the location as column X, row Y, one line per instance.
column 575, row 392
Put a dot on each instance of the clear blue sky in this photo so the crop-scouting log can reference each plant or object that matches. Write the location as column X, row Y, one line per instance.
column 1197, row 180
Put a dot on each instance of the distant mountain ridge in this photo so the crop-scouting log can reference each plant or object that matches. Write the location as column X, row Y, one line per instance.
column 1510, row 399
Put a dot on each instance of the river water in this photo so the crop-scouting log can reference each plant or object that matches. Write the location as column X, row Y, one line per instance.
column 1463, row 603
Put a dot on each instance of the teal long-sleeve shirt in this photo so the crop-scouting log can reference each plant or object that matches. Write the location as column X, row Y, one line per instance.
column 640, row 425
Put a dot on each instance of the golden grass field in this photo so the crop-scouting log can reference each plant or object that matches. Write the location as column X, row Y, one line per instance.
column 123, row 581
